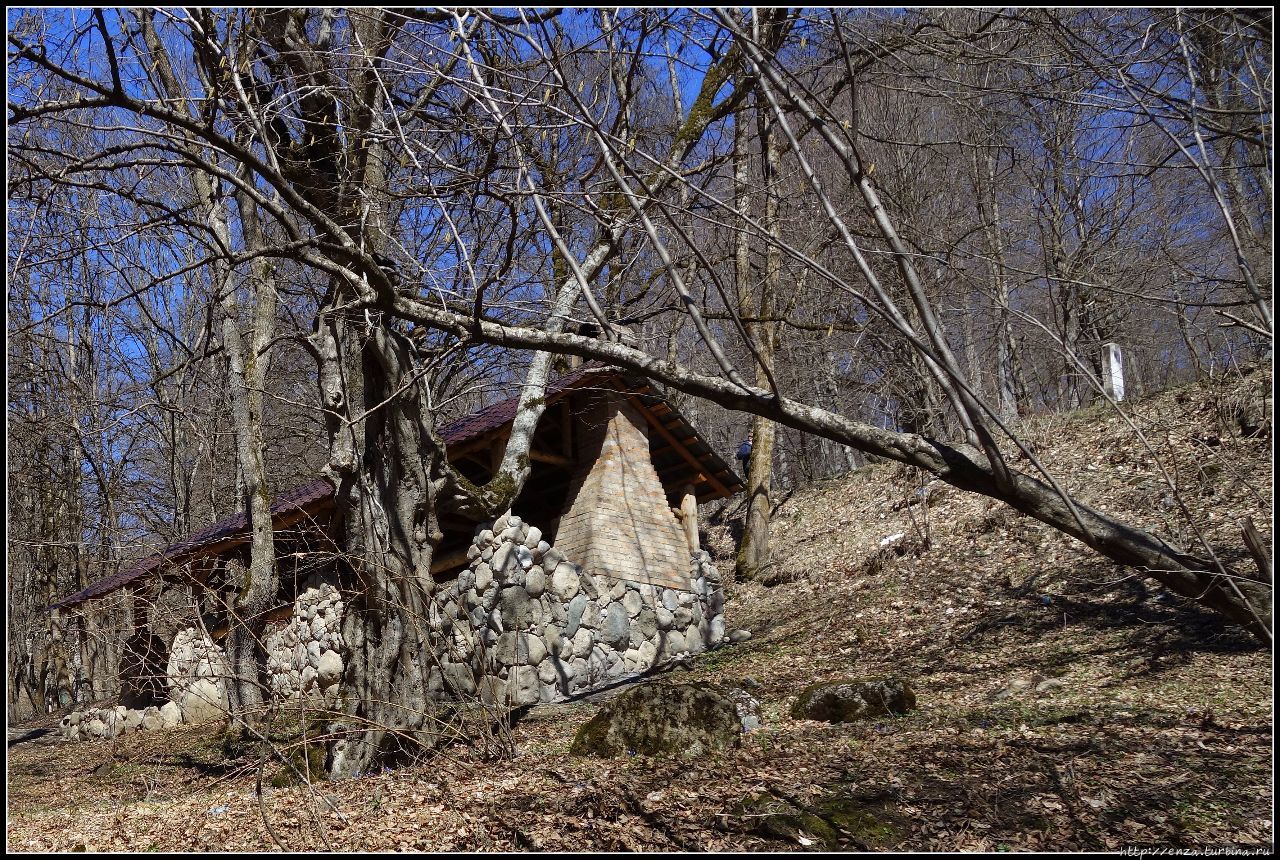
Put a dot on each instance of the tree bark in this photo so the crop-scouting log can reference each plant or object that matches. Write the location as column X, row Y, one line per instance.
column 753, row 553
column 388, row 531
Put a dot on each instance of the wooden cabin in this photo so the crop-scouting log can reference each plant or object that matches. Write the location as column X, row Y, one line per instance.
column 617, row 475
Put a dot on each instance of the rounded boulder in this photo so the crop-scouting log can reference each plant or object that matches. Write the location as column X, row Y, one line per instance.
column 850, row 700
column 661, row 718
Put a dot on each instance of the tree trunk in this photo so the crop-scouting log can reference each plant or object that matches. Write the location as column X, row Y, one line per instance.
column 1006, row 371
column 753, row 553
column 388, row 474
column 246, row 371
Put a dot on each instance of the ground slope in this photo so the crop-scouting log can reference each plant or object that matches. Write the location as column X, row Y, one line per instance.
column 1065, row 704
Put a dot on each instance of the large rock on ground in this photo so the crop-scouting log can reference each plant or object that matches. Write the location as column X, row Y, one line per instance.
column 661, row 718
column 203, row 701
column 170, row 715
column 846, row 701
column 865, row 820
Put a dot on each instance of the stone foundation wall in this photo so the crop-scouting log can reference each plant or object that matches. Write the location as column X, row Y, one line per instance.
column 521, row 624
column 304, row 656
column 524, row 624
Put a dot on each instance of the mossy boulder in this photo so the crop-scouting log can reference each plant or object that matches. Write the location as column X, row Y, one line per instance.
column 304, row 761
column 661, row 718
column 839, row 820
column 849, row 700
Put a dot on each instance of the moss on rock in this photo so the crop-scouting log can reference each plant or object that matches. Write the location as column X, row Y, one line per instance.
column 849, row 700
column 838, row 820
column 305, row 758
column 661, row 718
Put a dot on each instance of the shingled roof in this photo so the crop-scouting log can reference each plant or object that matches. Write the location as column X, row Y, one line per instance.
column 317, row 495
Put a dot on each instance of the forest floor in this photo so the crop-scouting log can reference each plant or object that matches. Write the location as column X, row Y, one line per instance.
column 1064, row 703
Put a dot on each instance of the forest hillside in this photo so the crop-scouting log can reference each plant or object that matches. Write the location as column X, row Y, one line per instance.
column 1064, row 703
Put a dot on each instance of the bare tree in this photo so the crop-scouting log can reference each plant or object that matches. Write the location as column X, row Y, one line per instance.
column 445, row 185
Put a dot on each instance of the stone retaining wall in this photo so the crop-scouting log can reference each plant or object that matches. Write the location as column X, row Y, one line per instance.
column 520, row 625
column 526, row 625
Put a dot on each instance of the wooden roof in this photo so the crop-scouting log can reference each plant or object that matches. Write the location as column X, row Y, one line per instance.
column 680, row 456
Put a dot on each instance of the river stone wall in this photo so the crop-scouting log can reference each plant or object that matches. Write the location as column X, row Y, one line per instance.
column 197, row 678
column 304, row 656
column 520, row 625
column 197, row 675
column 523, row 624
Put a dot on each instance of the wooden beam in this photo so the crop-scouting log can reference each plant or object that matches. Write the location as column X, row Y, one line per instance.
column 453, row 523
column 480, row 443
column 683, row 451
column 473, row 457
column 566, row 428
column 546, row 457
column 457, row 558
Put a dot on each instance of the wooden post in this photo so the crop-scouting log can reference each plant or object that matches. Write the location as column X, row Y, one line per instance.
column 689, row 517
column 495, row 458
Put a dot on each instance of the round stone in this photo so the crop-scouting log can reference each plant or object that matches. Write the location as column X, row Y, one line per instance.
column 564, row 582
column 693, row 640
column 648, row 653
column 170, row 715
column 632, row 602
column 329, row 672
column 583, row 641
column 549, row 671
column 664, row 618
column 523, row 686
column 617, row 626
column 672, row 642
